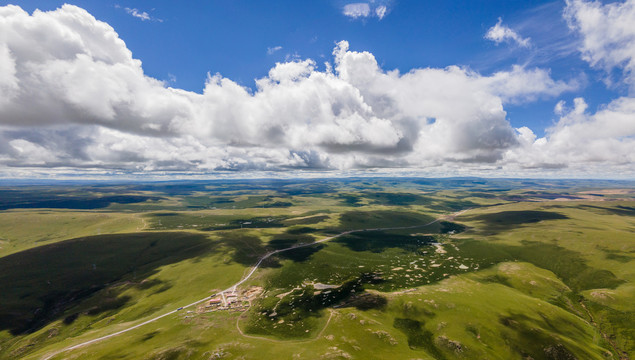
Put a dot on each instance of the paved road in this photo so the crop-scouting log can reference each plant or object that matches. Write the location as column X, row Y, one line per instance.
column 245, row 278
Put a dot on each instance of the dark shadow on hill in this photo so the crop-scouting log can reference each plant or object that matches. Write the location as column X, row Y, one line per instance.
column 166, row 214
column 379, row 241
column 419, row 338
column 396, row 199
column 39, row 285
column 254, row 201
column 618, row 255
column 617, row 210
column 366, row 301
column 204, row 202
column 568, row 265
column 528, row 337
column 247, row 249
column 301, row 230
column 406, row 199
column 507, row 220
column 447, row 227
column 184, row 220
column 284, row 241
column 307, row 188
column 248, row 223
column 302, row 306
column 29, row 199
column 482, row 195
column 531, row 340
column 452, row 205
column 301, row 254
column 353, row 200
column 355, row 220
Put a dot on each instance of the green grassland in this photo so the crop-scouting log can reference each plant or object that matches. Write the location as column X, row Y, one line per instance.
column 24, row 229
column 533, row 270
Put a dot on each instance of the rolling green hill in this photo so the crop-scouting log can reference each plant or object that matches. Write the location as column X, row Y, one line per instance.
column 540, row 271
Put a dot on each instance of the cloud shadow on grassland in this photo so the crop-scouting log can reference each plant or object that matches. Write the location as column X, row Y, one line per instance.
column 39, row 285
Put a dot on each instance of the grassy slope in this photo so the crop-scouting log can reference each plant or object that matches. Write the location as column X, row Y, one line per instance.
column 24, row 229
column 592, row 250
column 507, row 311
column 168, row 287
column 466, row 316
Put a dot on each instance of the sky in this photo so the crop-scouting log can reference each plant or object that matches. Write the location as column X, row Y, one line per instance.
column 450, row 88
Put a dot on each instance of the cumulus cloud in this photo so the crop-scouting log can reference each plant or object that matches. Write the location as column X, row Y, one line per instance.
column 73, row 96
column 8, row 80
column 524, row 85
column 502, row 33
column 582, row 141
column 70, row 68
column 608, row 34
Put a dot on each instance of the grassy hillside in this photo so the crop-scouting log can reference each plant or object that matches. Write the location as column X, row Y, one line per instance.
column 540, row 272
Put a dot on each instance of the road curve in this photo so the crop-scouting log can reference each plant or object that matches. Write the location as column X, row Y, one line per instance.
column 245, row 278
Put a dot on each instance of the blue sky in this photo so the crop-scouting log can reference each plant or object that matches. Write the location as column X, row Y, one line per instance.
column 183, row 41
column 180, row 43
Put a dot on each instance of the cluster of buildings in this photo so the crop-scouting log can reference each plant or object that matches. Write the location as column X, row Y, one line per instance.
column 226, row 301
column 231, row 300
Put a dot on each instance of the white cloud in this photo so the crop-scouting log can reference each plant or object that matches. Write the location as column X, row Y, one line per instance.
column 142, row 15
column 71, row 68
column 525, row 85
column 356, row 10
column 34, row 154
column 608, row 34
column 501, row 33
column 559, row 108
column 587, row 142
column 80, row 100
column 380, row 11
column 272, row 50
column 138, row 14
column 582, row 141
column 8, row 81
column 377, row 9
